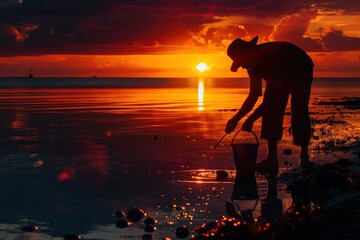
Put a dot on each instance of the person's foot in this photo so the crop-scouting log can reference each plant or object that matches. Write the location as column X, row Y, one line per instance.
column 268, row 166
column 306, row 163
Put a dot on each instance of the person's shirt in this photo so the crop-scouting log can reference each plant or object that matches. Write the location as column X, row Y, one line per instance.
column 277, row 62
column 255, row 84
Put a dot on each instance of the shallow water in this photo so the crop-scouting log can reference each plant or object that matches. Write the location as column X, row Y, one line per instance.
column 71, row 156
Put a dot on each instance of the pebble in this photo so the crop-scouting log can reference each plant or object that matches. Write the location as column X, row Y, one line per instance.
column 316, row 137
column 30, row 228
column 135, row 214
column 119, row 214
column 149, row 228
column 221, row 175
column 149, row 221
column 287, row 151
column 121, row 223
column 157, row 137
column 178, row 208
column 182, row 232
column 72, row 237
column 286, row 163
column 210, row 225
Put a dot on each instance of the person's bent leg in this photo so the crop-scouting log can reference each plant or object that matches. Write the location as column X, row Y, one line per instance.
column 304, row 153
column 301, row 129
column 274, row 104
column 272, row 150
column 300, row 121
column 270, row 165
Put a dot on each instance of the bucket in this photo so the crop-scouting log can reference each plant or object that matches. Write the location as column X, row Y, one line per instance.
column 245, row 187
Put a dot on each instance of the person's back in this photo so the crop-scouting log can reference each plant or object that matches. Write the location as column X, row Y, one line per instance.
column 279, row 61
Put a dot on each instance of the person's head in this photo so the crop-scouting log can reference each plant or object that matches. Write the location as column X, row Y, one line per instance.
column 238, row 51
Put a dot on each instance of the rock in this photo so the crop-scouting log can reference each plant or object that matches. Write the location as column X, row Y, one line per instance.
column 221, row 175
column 201, row 229
column 287, row 151
column 30, row 228
column 149, row 228
column 316, row 137
column 179, row 208
column 286, row 163
column 149, row 221
column 210, row 226
column 119, row 214
column 72, row 237
column 157, row 137
column 135, row 214
column 182, row 232
column 121, row 223
column 206, row 227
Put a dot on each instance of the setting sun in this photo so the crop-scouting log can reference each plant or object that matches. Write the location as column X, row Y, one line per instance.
column 202, row 67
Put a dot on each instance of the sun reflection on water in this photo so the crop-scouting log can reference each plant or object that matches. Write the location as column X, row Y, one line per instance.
column 201, row 91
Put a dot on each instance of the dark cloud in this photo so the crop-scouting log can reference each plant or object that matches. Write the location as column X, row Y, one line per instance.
column 293, row 28
column 335, row 40
column 117, row 30
column 37, row 27
column 348, row 6
column 6, row 35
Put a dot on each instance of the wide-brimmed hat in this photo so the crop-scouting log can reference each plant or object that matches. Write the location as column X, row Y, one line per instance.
column 239, row 48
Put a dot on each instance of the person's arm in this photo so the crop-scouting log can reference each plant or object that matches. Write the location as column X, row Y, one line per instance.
column 257, row 113
column 245, row 109
column 248, row 124
column 255, row 93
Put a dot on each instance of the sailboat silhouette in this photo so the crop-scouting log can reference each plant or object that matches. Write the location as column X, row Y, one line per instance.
column 31, row 73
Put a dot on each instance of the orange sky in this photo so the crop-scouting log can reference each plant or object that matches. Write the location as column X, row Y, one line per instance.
column 122, row 39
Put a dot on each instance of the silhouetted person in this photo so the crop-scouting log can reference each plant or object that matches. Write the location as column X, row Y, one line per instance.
column 287, row 70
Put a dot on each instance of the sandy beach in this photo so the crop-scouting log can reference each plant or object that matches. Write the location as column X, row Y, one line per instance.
column 72, row 157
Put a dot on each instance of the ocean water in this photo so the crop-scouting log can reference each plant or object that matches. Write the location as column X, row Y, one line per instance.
column 73, row 151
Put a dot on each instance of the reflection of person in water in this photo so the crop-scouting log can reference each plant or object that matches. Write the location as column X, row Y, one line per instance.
column 286, row 69
column 271, row 206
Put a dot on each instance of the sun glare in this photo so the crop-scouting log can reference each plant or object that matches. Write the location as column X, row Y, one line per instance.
column 202, row 67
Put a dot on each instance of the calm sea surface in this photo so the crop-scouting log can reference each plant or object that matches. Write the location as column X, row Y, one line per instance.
column 73, row 151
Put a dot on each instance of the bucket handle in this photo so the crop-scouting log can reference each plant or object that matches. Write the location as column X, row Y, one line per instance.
column 257, row 140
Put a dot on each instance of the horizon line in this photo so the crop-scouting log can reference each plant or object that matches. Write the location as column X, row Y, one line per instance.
column 124, row 77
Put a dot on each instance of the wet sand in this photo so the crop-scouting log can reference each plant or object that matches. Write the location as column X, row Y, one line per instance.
column 71, row 158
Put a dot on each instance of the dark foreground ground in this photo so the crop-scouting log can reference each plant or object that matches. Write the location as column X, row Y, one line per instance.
column 325, row 205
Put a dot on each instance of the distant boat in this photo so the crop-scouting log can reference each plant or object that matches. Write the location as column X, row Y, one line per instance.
column 31, row 73
column 94, row 77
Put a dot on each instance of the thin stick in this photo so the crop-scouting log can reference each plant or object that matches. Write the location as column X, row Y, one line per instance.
column 220, row 141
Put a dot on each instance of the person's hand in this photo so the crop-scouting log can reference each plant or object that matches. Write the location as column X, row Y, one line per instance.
column 248, row 125
column 231, row 125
